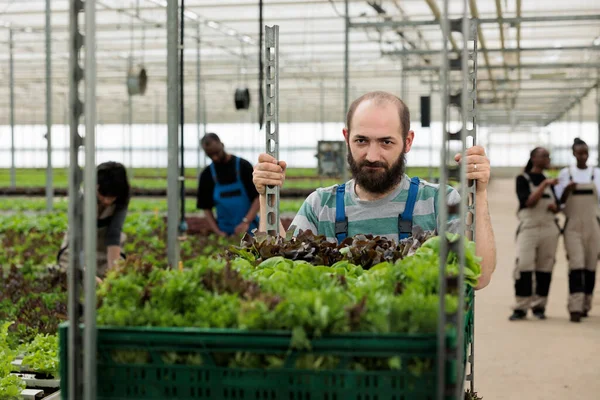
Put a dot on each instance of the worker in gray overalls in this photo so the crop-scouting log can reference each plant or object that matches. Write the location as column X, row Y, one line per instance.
column 113, row 194
column 537, row 237
column 578, row 190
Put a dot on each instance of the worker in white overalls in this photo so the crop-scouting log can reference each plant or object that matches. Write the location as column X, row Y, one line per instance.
column 113, row 194
column 578, row 190
column 537, row 237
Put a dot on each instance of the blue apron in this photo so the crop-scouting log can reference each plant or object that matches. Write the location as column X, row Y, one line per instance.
column 232, row 202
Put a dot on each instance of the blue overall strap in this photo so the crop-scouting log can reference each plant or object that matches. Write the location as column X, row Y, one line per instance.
column 405, row 219
column 213, row 172
column 237, row 167
column 341, row 221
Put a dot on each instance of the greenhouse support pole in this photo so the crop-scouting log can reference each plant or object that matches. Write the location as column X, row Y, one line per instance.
column 11, row 78
column 75, row 365
column 465, row 116
column 403, row 76
column 66, row 125
column 580, row 118
column 198, row 108
column 346, row 80
column 598, row 112
column 322, row 103
column 430, row 168
column 130, row 103
column 90, row 206
column 182, row 222
column 130, row 124
column 443, row 212
column 172, row 131
column 49, row 171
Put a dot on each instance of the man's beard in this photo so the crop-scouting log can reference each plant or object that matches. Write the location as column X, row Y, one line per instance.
column 377, row 181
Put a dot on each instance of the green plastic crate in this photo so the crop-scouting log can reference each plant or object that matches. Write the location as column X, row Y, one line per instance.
column 150, row 376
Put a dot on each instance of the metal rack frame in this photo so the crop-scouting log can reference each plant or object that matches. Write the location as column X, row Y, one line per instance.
column 82, row 214
column 75, row 230
column 271, row 111
column 466, row 101
column 82, row 383
column 82, row 208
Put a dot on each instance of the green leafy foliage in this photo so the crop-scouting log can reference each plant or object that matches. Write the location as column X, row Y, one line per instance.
column 10, row 385
column 157, row 177
column 33, row 241
column 253, row 292
column 304, row 285
column 34, row 298
column 363, row 250
column 29, row 240
column 41, row 355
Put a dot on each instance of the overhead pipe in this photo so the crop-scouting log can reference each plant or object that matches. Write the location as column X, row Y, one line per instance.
column 475, row 13
column 438, row 17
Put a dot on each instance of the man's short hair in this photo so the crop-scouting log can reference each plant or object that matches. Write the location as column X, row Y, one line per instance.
column 210, row 136
column 379, row 98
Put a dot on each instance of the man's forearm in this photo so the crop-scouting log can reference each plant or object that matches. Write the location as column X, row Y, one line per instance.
column 212, row 222
column 254, row 207
column 262, row 226
column 113, row 253
column 485, row 243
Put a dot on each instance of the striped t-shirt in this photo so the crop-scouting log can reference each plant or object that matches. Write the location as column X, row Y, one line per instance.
column 377, row 217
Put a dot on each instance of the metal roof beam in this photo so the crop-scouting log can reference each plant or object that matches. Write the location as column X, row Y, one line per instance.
column 482, row 21
column 560, row 114
column 438, row 17
column 492, row 50
column 523, row 66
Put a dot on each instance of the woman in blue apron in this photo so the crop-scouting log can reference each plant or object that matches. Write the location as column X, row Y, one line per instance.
column 227, row 186
column 113, row 194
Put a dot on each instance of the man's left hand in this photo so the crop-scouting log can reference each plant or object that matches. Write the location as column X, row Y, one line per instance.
column 241, row 228
column 478, row 167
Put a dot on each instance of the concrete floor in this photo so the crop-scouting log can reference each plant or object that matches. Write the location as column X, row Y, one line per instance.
column 531, row 360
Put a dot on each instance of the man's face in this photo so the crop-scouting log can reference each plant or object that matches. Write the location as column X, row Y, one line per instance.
column 214, row 150
column 376, row 148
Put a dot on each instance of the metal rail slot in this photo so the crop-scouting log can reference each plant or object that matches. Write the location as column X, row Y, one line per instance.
column 272, row 120
column 465, row 100
column 470, row 129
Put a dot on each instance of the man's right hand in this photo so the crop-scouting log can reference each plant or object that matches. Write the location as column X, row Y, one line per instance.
column 268, row 172
column 571, row 186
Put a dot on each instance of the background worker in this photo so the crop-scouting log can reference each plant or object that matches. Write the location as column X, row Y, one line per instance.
column 381, row 199
column 578, row 189
column 227, row 185
column 113, row 195
column 537, row 236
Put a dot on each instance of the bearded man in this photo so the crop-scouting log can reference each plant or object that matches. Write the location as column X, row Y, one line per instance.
column 381, row 199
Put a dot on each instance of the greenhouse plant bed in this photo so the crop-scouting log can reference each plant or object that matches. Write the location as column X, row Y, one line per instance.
column 32, row 380
column 35, row 394
column 134, row 363
column 37, row 191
